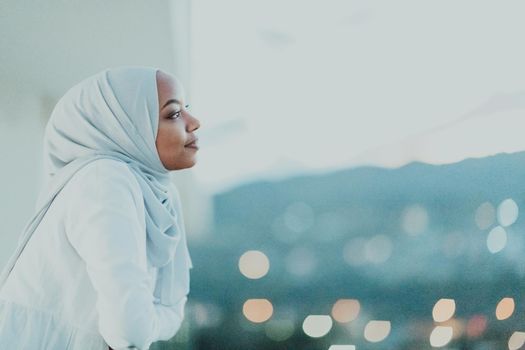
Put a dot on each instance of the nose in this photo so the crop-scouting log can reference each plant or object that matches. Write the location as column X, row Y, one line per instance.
column 193, row 124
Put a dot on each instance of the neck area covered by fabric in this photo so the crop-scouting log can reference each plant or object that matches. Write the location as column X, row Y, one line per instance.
column 114, row 114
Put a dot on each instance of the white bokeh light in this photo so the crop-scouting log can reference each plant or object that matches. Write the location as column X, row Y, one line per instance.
column 496, row 239
column 378, row 249
column 508, row 212
column 441, row 336
column 254, row 264
column 376, row 331
column 485, row 216
column 415, row 219
column 317, row 326
column 516, row 340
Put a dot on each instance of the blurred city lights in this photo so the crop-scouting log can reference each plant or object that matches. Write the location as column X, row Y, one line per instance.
column 345, row 310
column 279, row 330
column 206, row 315
column 443, row 310
column 476, row 326
column 298, row 217
column 415, row 220
column 317, row 326
column 300, row 261
column 516, row 340
column 508, row 212
column 441, row 336
column 496, row 239
column 485, row 216
column 254, row 264
column 332, row 224
column 458, row 326
column 257, row 310
column 505, row 308
column 454, row 244
column 354, row 251
column 376, row 331
column 378, row 249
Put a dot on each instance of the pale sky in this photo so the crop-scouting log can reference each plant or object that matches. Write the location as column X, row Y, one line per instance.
column 288, row 86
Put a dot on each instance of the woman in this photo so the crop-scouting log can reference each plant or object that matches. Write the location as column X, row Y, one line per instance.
column 104, row 261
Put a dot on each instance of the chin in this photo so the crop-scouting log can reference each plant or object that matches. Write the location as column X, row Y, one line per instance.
column 181, row 166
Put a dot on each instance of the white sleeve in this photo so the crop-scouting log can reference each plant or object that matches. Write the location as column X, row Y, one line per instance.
column 105, row 224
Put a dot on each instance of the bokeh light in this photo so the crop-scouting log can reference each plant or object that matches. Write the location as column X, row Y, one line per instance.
column 485, row 216
column 317, row 326
column 415, row 219
column 298, row 217
column 254, row 264
column 508, row 212
column 206, row 314
column 476, row 325
column 443, row 310
column 454, row 244
column 257, row 310
column 505, row 308
column 376, row 331
column 300, row 261
column 378, row 249
column 332, row 224
column 354, row 251
column 345, row 310
column 441, row 336
column 341, row 347
column 281, row 232
column 516, row 340
column 496, row 239
column 458, row 326
column 279, row 330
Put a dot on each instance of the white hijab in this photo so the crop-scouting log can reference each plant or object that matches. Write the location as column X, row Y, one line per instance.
column 114, row 114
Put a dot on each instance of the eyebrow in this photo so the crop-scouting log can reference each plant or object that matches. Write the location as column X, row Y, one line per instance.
column 173, row 100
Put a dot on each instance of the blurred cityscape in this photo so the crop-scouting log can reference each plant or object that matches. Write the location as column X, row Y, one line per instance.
column 418, row 257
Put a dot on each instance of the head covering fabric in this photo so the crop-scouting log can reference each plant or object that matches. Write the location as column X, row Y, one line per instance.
column 114, row 114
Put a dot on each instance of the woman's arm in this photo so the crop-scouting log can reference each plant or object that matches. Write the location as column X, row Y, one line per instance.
column 105, row 224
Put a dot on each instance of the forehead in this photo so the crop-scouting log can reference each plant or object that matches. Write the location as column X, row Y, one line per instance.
column 169, row 87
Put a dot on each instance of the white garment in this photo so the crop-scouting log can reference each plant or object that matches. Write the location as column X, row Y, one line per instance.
column 87, row 255
column 83, row 281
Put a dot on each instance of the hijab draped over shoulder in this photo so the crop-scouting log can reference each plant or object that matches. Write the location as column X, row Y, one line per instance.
column 115, row 114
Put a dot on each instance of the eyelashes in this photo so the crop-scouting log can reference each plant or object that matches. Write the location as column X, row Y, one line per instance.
column 175, row 115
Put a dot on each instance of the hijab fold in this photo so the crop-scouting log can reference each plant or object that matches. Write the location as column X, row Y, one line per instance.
column 114, row 114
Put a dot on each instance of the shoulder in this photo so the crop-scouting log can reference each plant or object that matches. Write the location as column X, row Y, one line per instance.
column 106, row 177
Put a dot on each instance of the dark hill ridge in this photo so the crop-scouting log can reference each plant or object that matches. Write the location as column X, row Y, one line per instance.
column 489, row 178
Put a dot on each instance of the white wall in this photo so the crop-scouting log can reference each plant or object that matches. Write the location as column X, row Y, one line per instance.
column 20, row 138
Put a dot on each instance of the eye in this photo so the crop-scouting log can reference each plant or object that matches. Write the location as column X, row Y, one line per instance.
column 175, row 115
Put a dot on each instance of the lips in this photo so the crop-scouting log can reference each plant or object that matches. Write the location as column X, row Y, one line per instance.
column 192, row 144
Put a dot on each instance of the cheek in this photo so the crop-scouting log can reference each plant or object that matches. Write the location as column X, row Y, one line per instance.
column 170, row 145
column 170, row 136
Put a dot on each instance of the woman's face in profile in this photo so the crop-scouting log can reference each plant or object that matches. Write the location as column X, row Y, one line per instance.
column 176, row 143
